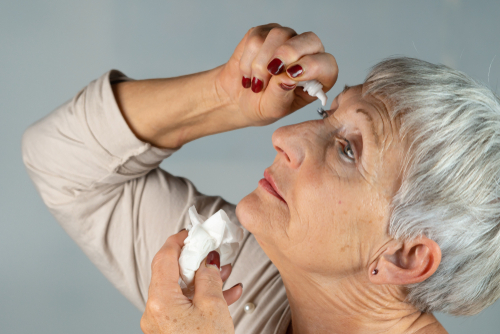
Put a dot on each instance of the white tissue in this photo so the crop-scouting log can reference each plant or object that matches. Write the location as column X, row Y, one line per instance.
column 205, row 235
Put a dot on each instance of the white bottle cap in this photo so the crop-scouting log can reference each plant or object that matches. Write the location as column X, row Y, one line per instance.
column 314, row 88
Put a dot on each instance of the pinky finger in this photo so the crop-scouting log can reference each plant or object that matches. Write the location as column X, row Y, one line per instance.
column 233, row 294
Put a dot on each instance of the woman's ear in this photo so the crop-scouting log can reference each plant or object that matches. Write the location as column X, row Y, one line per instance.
column 406, row 262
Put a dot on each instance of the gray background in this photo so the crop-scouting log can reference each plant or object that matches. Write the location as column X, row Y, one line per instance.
column 51, row 49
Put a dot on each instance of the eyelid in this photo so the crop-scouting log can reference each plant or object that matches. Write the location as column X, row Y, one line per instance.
column 335, row 106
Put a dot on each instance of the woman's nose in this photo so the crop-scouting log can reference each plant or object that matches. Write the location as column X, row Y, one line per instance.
column 289, row 143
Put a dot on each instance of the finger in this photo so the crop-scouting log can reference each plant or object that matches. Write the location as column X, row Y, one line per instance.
column 253, row 42
column 274, row 39
column 321, row 66
column 296, row 47
column 233, row 294
column 207, row 281
column 165, row 267
column 225, row 271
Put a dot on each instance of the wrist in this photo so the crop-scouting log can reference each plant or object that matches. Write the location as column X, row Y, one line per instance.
column 171, row 112
column 210, row 109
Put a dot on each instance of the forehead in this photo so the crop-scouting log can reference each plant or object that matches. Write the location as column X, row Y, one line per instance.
column 366, row 110
column 357, row 93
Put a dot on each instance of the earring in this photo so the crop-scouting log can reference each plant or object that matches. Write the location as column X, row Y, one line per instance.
column 375, row 271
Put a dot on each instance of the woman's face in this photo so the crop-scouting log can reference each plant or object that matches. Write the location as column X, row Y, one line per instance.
column 334, row 179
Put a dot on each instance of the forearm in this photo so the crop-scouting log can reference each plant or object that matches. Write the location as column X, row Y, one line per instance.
column 171, row 112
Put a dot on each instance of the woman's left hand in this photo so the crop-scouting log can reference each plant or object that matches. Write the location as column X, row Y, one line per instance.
column 169, row 311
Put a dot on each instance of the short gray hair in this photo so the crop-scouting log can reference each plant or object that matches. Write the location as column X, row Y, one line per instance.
column 450, row 190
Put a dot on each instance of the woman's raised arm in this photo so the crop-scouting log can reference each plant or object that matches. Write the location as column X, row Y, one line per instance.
column 255, row 87
column 171, row 112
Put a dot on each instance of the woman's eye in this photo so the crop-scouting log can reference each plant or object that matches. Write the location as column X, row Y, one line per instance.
column 348, row 152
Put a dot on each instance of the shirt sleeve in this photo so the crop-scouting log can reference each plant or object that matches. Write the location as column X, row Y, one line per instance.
column 104, row 186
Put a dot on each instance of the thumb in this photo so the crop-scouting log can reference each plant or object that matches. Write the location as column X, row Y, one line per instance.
column 207, row 281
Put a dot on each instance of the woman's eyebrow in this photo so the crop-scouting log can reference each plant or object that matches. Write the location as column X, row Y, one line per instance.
column 346, row 88
column 372, row 123
column 367, row 114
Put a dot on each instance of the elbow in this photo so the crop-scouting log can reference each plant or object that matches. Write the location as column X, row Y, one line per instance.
column 30, row 144
column 27, row 144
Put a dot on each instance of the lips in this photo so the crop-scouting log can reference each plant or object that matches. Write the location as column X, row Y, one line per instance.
column 268, row 184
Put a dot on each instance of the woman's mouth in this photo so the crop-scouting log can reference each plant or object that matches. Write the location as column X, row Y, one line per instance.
column 268, row 184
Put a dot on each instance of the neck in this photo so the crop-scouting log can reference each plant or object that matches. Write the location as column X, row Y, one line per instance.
column 349, row 305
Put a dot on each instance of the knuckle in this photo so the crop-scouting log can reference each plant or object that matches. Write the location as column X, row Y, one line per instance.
column 291, row 32
column 311, row 35
column 255, row 42
column 287, row 51
column 281, row 32
column 154, row 307
column 245, row 68
column 258, row 66
column 314, row 38
column 264, row 30
column 269, row 26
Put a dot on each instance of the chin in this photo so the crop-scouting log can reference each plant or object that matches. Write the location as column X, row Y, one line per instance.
column 263, row 216
column 247, row 212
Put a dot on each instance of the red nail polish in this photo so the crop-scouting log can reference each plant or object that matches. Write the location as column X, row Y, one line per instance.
column 295, row 71
column 246, row 82
column 214, row 258
column 287, row 87
column 257, row 85
column 275, row 67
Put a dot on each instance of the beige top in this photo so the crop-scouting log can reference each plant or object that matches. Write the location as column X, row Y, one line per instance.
column 105, row 188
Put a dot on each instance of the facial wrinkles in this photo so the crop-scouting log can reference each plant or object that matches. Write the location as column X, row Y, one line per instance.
column 382, row 109
column 377, row 106
column 391, row 137
column 363, row 165
column 310, row 143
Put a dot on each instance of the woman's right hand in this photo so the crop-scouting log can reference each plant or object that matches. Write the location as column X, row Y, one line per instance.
column 272, row 96
column 171, row 112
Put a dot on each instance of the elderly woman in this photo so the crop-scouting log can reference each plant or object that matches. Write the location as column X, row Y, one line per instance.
column 367, row 221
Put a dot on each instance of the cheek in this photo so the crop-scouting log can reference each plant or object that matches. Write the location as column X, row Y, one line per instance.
column 317, row 204
column 263, row 217
column 327, row 228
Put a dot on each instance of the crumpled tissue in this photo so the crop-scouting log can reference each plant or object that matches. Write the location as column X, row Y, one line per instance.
column 205, row 235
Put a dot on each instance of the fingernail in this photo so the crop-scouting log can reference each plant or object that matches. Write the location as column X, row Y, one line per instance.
column 181, row 230
column 246, row 82
column 287, row 87
column 257, row 85
column 213, row 258
column 240, row 284
column 275, row 67
column 295, row 71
